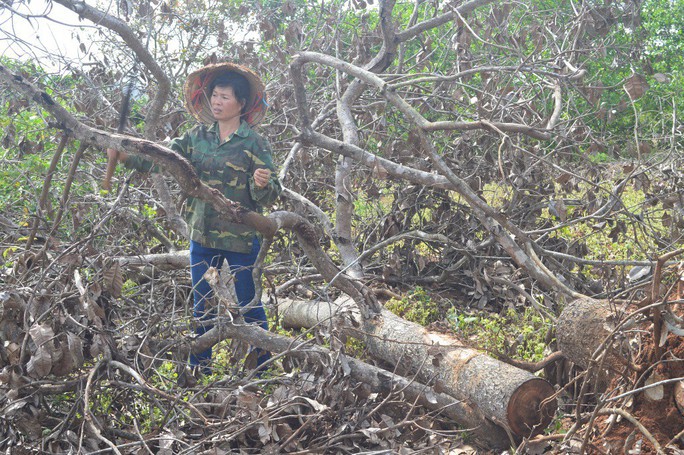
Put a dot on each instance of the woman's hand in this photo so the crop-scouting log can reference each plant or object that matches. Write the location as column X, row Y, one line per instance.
column 261, row 177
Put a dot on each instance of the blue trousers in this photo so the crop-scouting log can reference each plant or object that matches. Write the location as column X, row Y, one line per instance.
column 201, row 258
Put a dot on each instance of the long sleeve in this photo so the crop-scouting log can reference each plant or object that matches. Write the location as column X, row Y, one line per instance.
column 178, row 145
column 228, row 167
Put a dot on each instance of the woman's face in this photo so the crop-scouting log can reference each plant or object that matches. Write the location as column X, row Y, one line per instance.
column 224, row 104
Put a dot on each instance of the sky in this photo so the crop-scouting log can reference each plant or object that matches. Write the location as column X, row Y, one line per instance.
column 26, row 33
column 41, row 30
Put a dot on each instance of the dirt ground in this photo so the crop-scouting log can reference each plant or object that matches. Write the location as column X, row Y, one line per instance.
column 661, row 418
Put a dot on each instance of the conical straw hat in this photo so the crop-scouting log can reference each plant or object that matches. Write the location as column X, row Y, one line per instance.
column 197, row 96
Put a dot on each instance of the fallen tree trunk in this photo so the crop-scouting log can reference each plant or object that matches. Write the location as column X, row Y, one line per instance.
column 379, row 380
column 512, row 398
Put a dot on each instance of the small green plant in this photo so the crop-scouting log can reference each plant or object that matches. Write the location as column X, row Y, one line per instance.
column 516, row 334
column 129, row 288
column 149, row 211
column 600, row 157
column 356, row 348
column 165, row 376
column 416, row 307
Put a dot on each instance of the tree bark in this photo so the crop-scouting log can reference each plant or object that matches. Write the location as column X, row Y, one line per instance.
column 585, row 330
column 514, row 399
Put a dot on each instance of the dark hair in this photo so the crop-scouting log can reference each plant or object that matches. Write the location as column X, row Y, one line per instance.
column 237, row 82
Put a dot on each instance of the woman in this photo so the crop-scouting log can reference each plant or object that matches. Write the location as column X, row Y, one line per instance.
column 228, row 155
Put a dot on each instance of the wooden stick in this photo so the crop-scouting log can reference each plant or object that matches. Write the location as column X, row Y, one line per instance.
column 111, row 167
column 123, row 115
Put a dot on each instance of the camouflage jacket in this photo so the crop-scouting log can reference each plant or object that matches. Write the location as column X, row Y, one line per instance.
column 228, row 167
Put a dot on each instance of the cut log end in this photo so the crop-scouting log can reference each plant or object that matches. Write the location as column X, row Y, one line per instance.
column 531, row 408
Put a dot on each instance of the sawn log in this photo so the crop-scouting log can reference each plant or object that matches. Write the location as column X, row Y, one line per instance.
column 585, row 335
column 508, row 396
